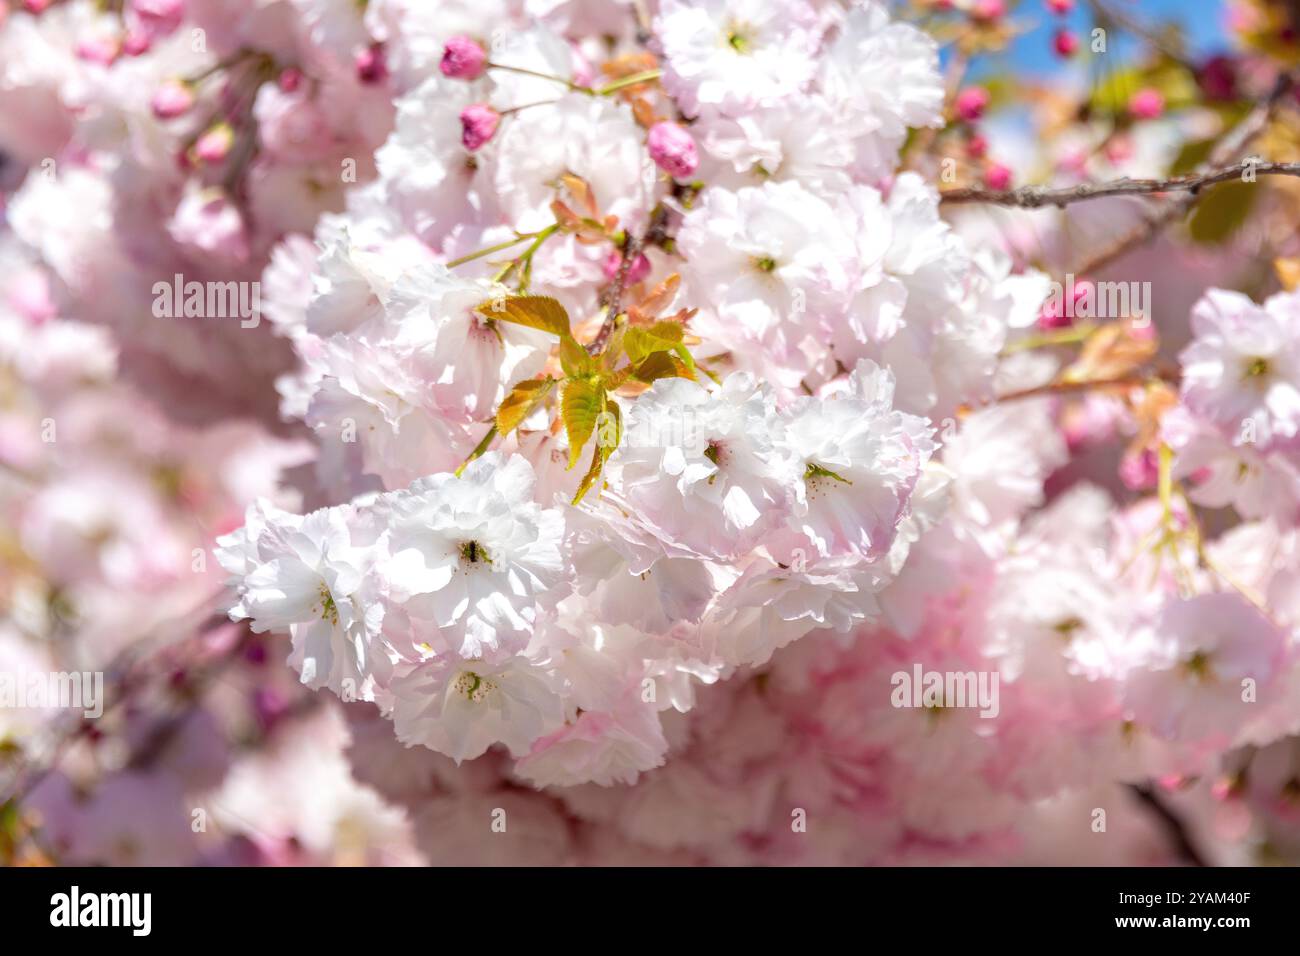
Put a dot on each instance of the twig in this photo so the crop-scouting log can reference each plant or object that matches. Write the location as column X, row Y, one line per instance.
column 1035, row 197
column 1125, row 21
column 614, row 297
column 1066, row 388
column 1172, row 823
column 1240, row 137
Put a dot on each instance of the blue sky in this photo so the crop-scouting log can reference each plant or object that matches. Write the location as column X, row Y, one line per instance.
column 1202, row 22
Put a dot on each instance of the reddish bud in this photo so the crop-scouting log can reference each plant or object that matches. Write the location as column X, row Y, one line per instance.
column 971, row 103
column 997, row 176
column 988, row 10
column 463, row 58
column 673, row 149
column 1065, row 43
column 636, row 272
column 478, row 124
column 370, row 64
column 1146, row 104
column 290, row 79
column 215, row 145
column 136, row 43
column 173, row 99
column 1218, row 79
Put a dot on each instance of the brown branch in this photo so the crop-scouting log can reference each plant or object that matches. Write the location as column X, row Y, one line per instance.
column 1172, row 824
column 1227, row 149
column 1035, row 197
column 656, row 234
column 614, row 295
column 1104, row 12
column 1067, row 388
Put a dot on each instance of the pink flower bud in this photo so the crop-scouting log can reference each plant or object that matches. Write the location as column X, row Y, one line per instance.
column 1218, row 79
column 977, row 146
column 997, row 176
column 290, row 79
column 988, row 9
column 1060, row 6
column 1058, row 314
column 971, row 103
column 158, row 17
column 136, row 43
column 639, row 269
column 463, row 58
column 173, row 99
column 36, row 6
column 370, row 64
column 673, row 149
column 1146, row 104
column 102, row 50
column 1065, row 43
column 1139, row 470
column 478, row 124
column 214, row 145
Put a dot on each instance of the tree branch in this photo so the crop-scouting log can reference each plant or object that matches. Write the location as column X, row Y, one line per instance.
column 1172, row 823
column 1228, row 148
column 1103, row 12
column 1069, row 388
column 1035, row 197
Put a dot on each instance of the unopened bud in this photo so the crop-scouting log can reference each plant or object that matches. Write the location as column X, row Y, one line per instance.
column 215, row 145
column 370, row 64
column 971, row 103
column 172, row 99
column 673, row 149
column 463, row 58
column 478, row 124
column 1146, row 104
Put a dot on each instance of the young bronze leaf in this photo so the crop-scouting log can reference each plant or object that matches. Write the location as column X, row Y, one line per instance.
column 640, row 343
column 605, row 445
column 581, row 400
column 535, row 311
column 659, row 365
column 519, row 404
column 574, row 359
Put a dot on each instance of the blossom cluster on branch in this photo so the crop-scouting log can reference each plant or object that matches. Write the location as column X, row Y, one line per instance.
column 637, row 446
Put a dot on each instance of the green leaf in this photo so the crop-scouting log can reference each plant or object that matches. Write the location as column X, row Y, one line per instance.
column 1190, row 156
column 574, row 359
column 1221, row 211
column 602, row 451
column 641, row 343
column 534, row 311
column 1111, row 95
column 521, row 401
column 659, row 365
column 581, row 400
column 479, row 449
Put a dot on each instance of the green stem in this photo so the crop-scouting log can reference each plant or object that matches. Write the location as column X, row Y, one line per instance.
column 541, row 76
column 1068, row 336
column 642, row 77
column 489, row 250
column 479, row 449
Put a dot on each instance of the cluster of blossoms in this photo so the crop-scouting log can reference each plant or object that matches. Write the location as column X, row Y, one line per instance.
column 812, row 491
column 656, row 433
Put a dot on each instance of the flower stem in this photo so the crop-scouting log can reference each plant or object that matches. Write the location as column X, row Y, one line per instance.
column 643, row 77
